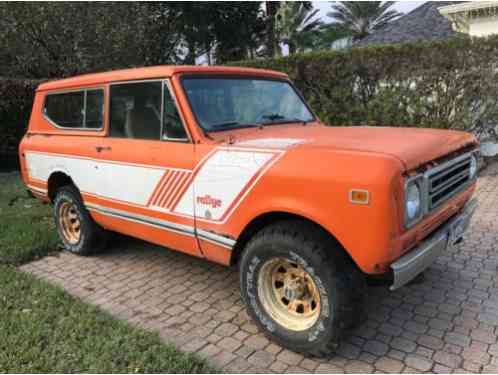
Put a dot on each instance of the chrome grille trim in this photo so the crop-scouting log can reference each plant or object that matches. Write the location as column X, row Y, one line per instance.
column 443, row 173
column 447, row 180
column 442, row 186
column 440, row 183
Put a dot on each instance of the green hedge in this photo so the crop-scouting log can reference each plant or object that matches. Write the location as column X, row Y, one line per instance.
column 451, row 84
column 16, row 100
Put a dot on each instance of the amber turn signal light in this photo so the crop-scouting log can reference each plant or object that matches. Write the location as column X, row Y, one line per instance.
column 357, row 196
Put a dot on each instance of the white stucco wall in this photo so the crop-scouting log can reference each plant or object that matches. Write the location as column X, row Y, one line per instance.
column 483, row 26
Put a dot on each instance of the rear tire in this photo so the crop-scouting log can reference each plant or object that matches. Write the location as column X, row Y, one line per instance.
column 314, row 327
column 77, row 230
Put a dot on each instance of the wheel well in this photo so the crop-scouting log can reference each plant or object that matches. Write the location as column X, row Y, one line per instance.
column 56, row 181
column 270, row 218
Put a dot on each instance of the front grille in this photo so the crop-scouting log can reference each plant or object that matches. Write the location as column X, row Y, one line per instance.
column 446, row 180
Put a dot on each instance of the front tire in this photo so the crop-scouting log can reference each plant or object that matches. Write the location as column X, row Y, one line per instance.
column 298, row 286
column 77, row 230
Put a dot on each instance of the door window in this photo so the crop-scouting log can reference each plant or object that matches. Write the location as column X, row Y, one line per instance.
column 145, row 110
column 136, row 110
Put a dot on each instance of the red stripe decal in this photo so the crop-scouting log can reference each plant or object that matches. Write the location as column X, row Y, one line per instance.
column 178, row 187
column 157, row 189
column 181, row 192
column 164, row 188
column 167, row 191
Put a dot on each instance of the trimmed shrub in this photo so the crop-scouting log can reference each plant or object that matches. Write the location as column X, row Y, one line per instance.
column 16, row 100
column 450, row 84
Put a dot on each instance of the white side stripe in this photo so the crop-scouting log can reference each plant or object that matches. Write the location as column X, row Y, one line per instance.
column 128, row 183
column 216, row 238
column 164, row 224
column 37, row 189
column 210, row 193
column 220, row 181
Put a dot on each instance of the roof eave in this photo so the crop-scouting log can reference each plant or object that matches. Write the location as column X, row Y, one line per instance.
column 466, row 7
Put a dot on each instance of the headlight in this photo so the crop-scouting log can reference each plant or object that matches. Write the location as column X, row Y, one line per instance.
column 413, row 203
column 473, row 166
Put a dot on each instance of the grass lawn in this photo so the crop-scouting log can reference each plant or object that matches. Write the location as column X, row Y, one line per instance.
column 27, row 229
column 44, row 329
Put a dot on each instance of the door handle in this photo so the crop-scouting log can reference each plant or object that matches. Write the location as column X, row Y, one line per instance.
column 103, row 148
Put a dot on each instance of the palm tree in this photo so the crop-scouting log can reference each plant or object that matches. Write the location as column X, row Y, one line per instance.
column 328, row 34
column 361, row 18
column 295, row 25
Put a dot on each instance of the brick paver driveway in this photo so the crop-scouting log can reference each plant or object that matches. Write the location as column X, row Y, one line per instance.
column 448, row 323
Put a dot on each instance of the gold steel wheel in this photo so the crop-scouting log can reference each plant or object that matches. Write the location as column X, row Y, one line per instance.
column 289, row 294
column 70, row 223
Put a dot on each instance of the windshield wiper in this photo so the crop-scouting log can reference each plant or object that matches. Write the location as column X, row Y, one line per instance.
column 273, row 116
column 284, row 120
column 230, row 125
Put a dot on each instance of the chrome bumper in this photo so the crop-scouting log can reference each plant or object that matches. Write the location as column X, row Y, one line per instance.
column 410, row 265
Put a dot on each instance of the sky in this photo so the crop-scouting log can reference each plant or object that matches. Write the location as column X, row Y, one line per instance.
column 401, row 6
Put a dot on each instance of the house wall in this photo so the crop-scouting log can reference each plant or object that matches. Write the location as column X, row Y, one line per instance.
column 483, row 26
column 342, row 43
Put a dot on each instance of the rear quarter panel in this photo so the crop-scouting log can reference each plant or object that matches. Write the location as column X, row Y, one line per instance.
column 43, row 137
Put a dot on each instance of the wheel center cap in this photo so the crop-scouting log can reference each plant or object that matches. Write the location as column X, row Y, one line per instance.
column 294, row 289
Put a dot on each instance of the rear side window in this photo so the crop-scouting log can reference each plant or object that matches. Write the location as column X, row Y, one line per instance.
column 76, row 109
column 94, row 109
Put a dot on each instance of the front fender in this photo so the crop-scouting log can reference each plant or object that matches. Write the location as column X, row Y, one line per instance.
column 320, row 191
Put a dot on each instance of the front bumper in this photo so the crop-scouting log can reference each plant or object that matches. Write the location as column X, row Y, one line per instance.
column 410, row 265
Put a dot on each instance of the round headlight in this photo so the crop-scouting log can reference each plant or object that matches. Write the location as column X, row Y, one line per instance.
column 473, row 166
column 413, row 201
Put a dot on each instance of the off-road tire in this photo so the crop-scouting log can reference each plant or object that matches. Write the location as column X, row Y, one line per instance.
column 336, row 276
column 92, row 237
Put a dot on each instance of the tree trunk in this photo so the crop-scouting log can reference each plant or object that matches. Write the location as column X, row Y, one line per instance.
column 292, row 48
column 208, row 54
column 191, row 55
column 271, row 42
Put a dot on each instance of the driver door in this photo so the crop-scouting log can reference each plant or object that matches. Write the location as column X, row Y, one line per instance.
column 146, row 160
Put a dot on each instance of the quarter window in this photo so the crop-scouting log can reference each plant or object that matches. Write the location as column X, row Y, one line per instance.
column 76, row 109
column 66, row 110
column 172, row 123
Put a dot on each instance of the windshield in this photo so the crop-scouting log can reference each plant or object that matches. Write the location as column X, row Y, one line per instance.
column 228, row 103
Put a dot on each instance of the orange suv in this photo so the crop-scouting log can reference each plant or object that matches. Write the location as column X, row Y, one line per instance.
column 231, row 165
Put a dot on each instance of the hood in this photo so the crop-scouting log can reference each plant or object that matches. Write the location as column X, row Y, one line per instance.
column 412, row 146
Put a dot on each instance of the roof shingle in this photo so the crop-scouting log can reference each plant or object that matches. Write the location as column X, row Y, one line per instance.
column 423, row 23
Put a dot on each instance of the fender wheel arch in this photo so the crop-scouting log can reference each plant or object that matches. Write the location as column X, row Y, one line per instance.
column 56, row 181
column 264, row 220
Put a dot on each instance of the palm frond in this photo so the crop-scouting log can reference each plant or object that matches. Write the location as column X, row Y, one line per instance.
column 297, row 24
column 361, row 18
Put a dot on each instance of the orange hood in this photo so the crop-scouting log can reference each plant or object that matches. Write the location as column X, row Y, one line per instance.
column 412, row 146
